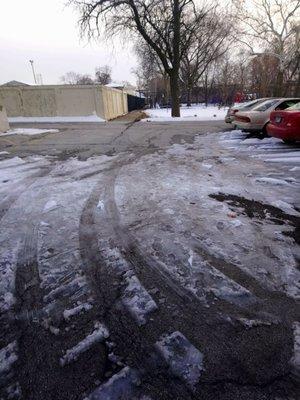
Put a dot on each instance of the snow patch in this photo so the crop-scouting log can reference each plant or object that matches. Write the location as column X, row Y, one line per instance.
column 194, row 113
column 8, row 357
column 76, row 310
column 137, row 300
column 29, row 131
column 120, row 386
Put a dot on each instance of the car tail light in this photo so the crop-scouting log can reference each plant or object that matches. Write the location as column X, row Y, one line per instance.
column 241, row 118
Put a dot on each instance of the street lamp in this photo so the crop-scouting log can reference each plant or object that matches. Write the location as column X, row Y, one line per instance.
column 34, row 77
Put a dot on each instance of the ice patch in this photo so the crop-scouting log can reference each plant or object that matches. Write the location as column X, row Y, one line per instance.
column 98, row 335
column 50, row 205
column 273, row 181
column 137, row 300
column 120, row 386
column 2, row 153
column 184, row 360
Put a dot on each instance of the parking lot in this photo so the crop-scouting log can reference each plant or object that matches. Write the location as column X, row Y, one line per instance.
column 151, row 260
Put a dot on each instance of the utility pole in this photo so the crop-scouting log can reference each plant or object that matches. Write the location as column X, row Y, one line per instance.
column 31, row 62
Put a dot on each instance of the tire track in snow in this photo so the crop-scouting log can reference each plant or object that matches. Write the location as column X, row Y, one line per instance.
column 203, row 327
column 134, row 343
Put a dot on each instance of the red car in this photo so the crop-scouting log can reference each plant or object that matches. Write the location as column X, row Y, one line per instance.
column 285, row 124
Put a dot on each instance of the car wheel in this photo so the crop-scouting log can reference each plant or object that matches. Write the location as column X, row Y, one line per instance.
column 264, row 131
column 289, row 141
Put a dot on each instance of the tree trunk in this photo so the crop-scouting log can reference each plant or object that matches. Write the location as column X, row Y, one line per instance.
column 279, row 84
column 174, row 87
column 188, row 97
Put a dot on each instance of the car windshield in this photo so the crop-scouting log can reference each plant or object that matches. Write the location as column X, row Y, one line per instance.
column 266, row 105
column 295, row 107
column 251, row 104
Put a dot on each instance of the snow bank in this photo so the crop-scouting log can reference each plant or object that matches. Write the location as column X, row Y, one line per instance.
column 88, row 118
column 29, row 131
column 194, row 113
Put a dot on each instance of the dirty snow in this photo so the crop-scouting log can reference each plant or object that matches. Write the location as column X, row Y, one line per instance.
column 76, row 310
column 137, row 299
column 174, row 190
column 193, row 113
column 184, row 360
column 122, row 385
column 296, row 356
column 8, row 356
column 97, row 336
column 28, row 131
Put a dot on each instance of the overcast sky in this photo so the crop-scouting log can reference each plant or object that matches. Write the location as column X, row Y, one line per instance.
column 46, row 31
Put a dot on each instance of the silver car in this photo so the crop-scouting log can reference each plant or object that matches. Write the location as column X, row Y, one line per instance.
column 229, row 118
column 256, row 119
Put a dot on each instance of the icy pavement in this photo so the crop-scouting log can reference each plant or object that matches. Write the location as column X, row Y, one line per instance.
column 187, row 256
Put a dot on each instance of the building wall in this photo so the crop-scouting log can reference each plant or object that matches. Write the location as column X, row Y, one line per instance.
column 4, row 125
column 63, row 100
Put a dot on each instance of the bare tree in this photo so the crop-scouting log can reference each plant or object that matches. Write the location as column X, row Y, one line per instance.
column 103, row 75
column 211, row 39
column 166, row 25
column 70, row 78
column 73, row 78
column 272, row 26
column 85, row 79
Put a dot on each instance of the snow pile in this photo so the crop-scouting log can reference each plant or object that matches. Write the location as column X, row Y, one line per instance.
column 29, row 131
column 193, row 113
column 184, row 360
column 98, row 335
column 88, row 118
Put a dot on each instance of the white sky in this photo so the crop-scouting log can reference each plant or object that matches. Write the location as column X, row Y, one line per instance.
column 46, row 31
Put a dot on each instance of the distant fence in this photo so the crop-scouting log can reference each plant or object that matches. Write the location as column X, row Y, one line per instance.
column 135, row 103
column 63, row 100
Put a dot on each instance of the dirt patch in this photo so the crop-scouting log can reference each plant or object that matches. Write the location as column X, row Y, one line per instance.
column 256, row 209
column 133, row 116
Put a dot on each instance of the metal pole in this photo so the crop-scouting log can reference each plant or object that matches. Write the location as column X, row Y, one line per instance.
column 31, row 62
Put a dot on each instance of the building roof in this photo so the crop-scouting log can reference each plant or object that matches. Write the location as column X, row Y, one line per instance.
column 15, row 83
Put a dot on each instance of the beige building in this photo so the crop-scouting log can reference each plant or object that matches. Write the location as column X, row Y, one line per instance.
column 4, row 125
column 63, row 101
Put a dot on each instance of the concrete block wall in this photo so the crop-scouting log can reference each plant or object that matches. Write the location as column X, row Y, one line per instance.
column 63, row 100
